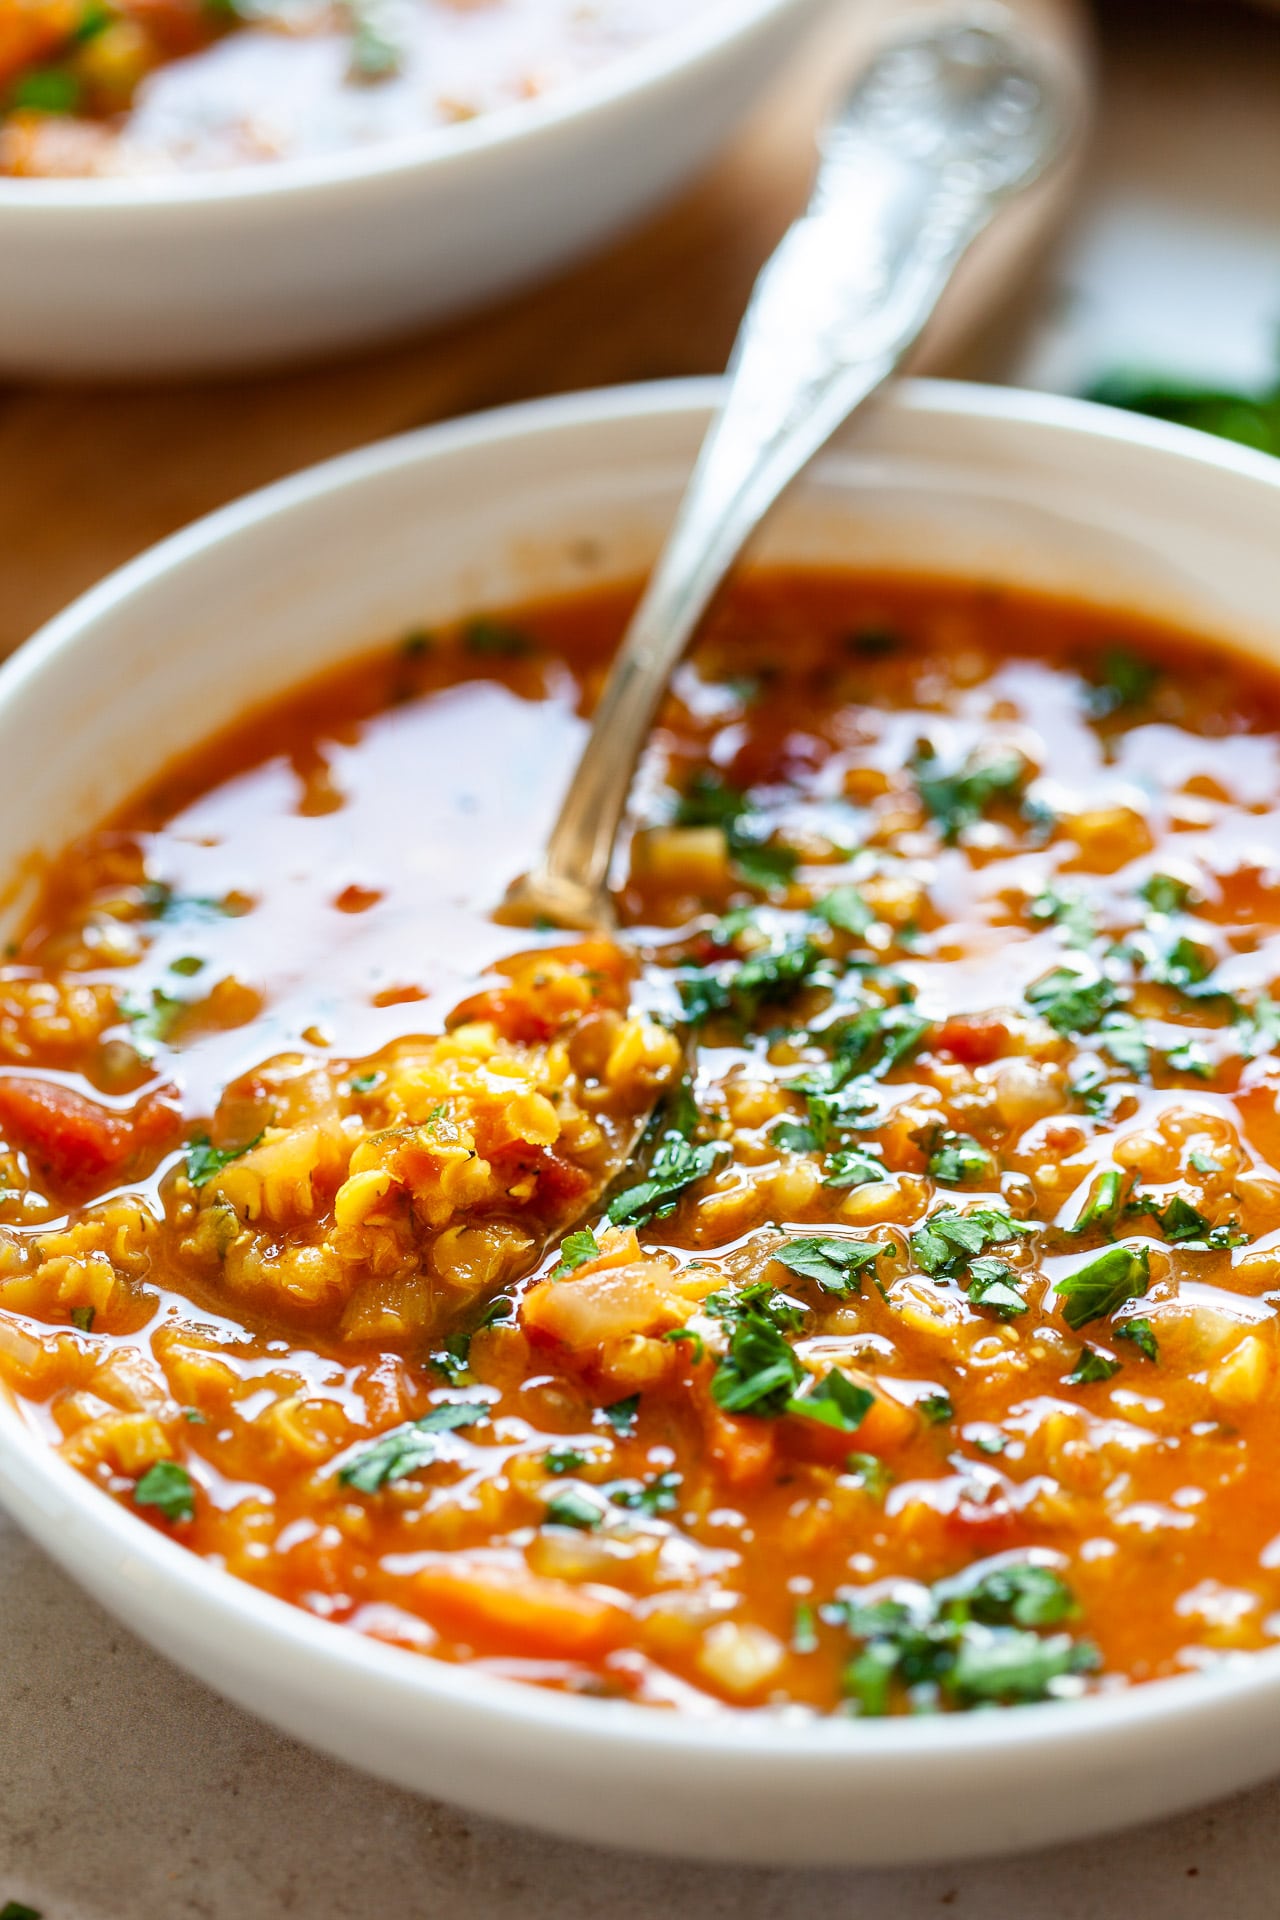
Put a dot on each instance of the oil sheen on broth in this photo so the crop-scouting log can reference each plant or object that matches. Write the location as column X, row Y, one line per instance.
column 925, row 1355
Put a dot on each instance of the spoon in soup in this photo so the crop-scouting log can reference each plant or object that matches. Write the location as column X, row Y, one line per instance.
column 946, row 124
column 944, row 127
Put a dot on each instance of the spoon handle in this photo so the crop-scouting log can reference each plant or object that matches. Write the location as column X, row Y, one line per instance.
column 944, row 125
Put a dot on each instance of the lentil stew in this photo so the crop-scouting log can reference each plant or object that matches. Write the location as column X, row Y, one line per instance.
column 922, row 1355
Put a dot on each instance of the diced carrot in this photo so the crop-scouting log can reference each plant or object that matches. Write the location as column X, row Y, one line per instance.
column 512, row 1609
column 78, row 1145
column 746, row 1450
column 885, row 1427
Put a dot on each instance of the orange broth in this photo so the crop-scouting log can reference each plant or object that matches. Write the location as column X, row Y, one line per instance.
column 928, row 1359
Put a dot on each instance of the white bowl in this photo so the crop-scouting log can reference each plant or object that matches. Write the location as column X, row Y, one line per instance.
column 199, row 272
column 959, row 479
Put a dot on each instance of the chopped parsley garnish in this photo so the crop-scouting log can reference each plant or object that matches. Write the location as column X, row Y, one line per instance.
column 1141, row 1333
column 743, row 987
column 152, row 1020
column 1102, row 1208
column 496, row 638
column 575, row 1251
column 949, row 1239
column 1184, row 1224
column 204, row 1161
column 377, row 52
column 1165, row 894
column 364, row 1082
column 937, row 1408
column 836, row 1401
column 956, row 1158
column 870, row 1043
column 621, row 1414
column 1069, row 911
column 168, row 1488
column 1072, row 1001
column 676, row 1166
column 1120, row 679
column 959, row 799
column 709, row 801
column 836, row 1265
column 760, row 1372
column 804, row 1628
column 655, row 1496
column 994, row 1283
column 964, row 1643
column 1258, row 1030
column 563, row 1460
column 572, row 1507
column 846, row 911
column 19, row 1910
column 82, row 1318
column 853, row 1167
column 1104, row 1283
column 1091, row 1368
column 404, row 1450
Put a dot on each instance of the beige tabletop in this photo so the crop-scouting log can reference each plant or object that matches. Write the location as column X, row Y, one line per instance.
column 127, row 1792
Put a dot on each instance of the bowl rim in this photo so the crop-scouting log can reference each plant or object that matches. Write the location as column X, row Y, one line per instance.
column 713, row 30
column 36, row 1479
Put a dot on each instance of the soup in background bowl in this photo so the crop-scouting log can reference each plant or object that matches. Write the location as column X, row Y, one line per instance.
column 921, row 1362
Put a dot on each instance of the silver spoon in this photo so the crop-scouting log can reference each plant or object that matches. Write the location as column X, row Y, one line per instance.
column 946, row 124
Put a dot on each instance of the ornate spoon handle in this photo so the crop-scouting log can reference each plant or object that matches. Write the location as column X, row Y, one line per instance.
column 940, row 130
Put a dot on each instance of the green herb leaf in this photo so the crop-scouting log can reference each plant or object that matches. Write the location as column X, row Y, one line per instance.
column 1165, row 894
column 621, row 1414
column 575, row 1251
column 845, row 909
column 937, row 1408
column 167, row 1487
column 572, row 1507
column 1102, row 1207
column 836, row 1402
column 994, row 1283
column 677, row 1165
column 836, row 1265
column 1120, row 680
column 690, row 1337
column 948, row 1239
column 1068, row 910
column 496, row 637
column 1071, row 1000
column 804, row 1628
column 658, row 1495
column 82, row 1318
column 957, row 1158
column 1091, row 1368
column 742, row 988
column 406, row 1449
column 204, row 1161
column 1104, row 1283
column 1010, row 1666
column 563, row 1460
column 1021, row 1594
column 760, row 1371
column 709, row 801
column 853, row 1167
column 1141, row 1333
column 959, row 799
